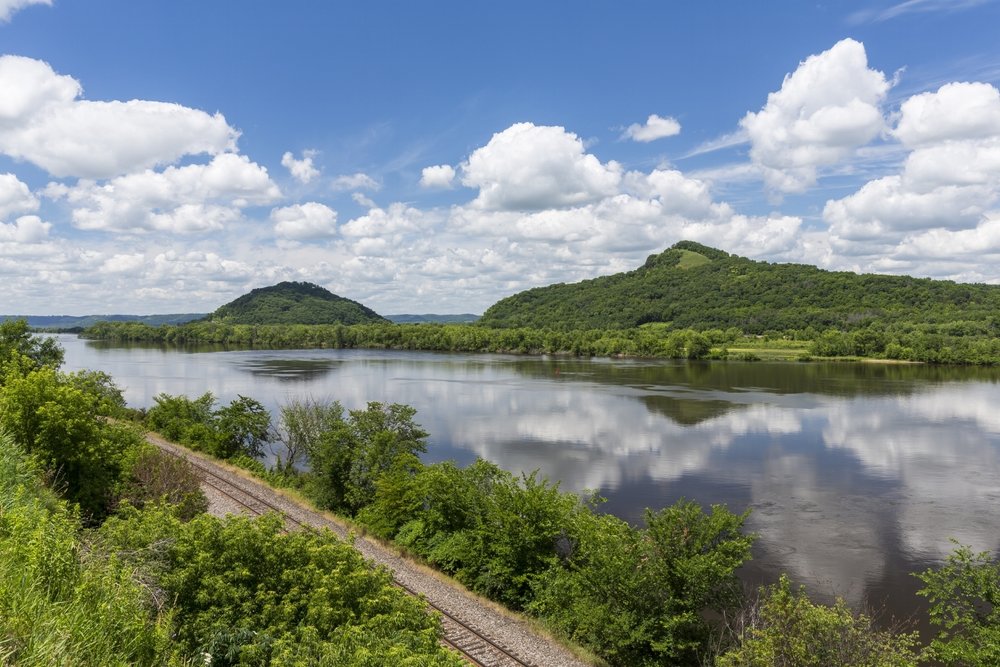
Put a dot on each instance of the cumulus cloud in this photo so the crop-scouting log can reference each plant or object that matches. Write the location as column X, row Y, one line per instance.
column 378, row 222
column 358, row 181
column 26, row 229
column 825, row 109
column 9, row 7
column 439, row 176
column 955, row 111
column 950, row 180
column 15, row 196
column 530, row 167
column 43, row 121
column 304, row 222
column 656, row 127
column 301, row 170
column 193, row 198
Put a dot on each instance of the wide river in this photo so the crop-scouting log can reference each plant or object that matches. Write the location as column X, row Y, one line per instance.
column 857, row 475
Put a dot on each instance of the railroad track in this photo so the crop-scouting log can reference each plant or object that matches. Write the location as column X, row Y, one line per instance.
column 473, row 644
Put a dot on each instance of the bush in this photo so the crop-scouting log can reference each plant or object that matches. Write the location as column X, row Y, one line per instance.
column 153, row 476
column 785, row 629
column 57, row 608
column 964, row 596
column 248, row 593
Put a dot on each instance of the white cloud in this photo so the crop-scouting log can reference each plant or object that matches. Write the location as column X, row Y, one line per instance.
column 131, row 263
column 26, row 229
column 529, row 167
column 825, row 110
column 439, row 176
column 9, row 7
column 381, row 222
column 301, row 170
column 303, row 222
column 358, row 181
column 192, row 198
column 656, row 127
column 43, row 121
column 15, row 196
column 956, row 111
column 362, row 200
column 949, row 181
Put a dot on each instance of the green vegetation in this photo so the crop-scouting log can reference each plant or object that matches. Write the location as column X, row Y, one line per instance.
column 964, row 596
column 293, row 303
column 693, row 286
column 784, row 628
column 61, row 603
column 246, row 593
column 240, row 428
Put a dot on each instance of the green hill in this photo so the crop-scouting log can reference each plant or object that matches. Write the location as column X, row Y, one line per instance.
column 294, row 303
column 691, row 285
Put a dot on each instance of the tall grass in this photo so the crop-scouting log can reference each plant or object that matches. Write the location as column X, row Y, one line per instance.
column 59, row 603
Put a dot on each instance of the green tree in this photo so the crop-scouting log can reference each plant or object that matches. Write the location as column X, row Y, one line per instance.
column 55, row 420
column 303, row 422
column 356, row 451
column 21, row 351
column 964, row 597
column 639, row 597
column 244, row 426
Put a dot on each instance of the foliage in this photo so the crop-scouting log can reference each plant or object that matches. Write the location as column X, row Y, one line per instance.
column 240, row 428
column 57, row 419
column 723, row 290
column 152, row 476
column 293, row 303
column 62, row 604
column 785, row 629
column 20, row 351
column 638, row 596
column 358, row 449
column 964, row 596
column 303, row 422
column 247, row 593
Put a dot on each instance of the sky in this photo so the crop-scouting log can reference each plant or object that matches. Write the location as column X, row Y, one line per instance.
column 434, row 157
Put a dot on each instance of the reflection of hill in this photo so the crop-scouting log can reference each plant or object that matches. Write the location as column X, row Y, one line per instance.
column 722, row 377
column 687, row 412
column 290, row 370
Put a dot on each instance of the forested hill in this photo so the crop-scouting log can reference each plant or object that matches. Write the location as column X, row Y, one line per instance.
column 691, row 285
column 294, row 303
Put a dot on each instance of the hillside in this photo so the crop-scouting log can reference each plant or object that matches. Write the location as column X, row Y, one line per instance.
column 293, row 303
column 691, row 285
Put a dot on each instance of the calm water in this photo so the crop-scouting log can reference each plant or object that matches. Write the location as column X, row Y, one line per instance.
column 857, row 474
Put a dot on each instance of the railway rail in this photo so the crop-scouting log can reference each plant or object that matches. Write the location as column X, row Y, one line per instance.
column 475, row 645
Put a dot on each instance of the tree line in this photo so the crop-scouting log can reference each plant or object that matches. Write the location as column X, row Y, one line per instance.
column 957, row 342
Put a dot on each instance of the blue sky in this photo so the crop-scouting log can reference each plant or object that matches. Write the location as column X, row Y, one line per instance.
column 435, row 157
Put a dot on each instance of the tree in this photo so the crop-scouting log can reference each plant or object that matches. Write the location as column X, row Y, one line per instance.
column 303, row 422
column 22, row 351
column 964, row 596
column 639, row 597
column 356, row 451
column 244, row 426
column 53, row 419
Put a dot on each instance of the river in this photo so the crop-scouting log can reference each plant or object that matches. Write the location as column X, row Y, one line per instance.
column 857, row 475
